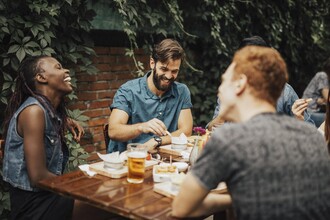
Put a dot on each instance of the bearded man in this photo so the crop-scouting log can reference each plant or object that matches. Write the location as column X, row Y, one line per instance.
column 143, row 109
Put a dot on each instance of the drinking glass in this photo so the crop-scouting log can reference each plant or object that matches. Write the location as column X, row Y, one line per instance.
column 136, row 157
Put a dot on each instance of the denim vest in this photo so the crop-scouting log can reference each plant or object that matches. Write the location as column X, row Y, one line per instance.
column 14, row 165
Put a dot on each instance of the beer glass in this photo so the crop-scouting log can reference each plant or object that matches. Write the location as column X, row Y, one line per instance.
column 136, row 155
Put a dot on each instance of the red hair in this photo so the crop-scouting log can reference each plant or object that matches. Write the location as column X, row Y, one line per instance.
column 265, row 69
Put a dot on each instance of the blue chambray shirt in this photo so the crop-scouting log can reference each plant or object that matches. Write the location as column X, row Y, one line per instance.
column 283, row 105
column 135, row 98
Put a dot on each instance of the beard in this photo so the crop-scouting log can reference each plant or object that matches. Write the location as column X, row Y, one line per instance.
column 157, row 79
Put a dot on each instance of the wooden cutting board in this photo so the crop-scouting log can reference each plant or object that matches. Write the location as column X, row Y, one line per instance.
column 167, row 149
column 112, row 173
column 166, row 189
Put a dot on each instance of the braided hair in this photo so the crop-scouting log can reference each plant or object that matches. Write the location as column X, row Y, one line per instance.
column 25, row 87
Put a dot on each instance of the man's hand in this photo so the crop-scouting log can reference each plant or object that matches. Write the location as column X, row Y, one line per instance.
column 151, row 144
column 75, row 127
column 299, row 106
column 154, row 126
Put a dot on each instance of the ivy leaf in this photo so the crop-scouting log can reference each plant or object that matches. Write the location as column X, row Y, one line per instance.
column 20, row 54
column 14, row 48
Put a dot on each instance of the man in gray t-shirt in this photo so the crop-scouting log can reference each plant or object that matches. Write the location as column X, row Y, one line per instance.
column 275, row 167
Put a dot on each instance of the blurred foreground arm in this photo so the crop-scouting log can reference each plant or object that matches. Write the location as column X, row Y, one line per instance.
column 193, row 200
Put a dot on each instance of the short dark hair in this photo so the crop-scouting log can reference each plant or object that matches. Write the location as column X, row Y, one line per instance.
column 253, row 41
column 167, row 49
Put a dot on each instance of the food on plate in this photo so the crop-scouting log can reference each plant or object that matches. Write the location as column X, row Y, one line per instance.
column 182, row 166
column 165, row 169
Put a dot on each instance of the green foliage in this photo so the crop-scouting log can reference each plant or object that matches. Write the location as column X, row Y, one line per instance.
column 55, row 28
column 77, row 154
column 212, row 30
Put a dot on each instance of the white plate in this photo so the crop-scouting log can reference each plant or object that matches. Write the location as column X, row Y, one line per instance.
column 182, row 166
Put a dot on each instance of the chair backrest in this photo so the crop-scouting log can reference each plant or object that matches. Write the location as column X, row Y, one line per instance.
column 106, row 134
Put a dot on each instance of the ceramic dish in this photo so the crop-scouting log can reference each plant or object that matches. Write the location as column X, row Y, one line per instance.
column 182, row 166
column 163, row 172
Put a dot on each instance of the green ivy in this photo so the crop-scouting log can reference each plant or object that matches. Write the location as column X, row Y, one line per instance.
column 211, row 31
column 41, row 27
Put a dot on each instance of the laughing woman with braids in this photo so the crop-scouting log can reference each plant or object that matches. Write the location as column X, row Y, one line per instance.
column 35, row 149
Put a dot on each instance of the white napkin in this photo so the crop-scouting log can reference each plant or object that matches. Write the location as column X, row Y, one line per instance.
column 85, row 168
column 182, row 139
column 185, row 154
column 112, row 157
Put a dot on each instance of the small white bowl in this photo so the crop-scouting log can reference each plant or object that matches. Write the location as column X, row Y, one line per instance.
column 113, row 164
column 182, row 166
column 165, row 175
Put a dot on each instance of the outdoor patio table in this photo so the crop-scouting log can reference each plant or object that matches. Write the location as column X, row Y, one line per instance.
column 135, row 201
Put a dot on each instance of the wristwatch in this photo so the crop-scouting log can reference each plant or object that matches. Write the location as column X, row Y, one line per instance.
column 158, row 140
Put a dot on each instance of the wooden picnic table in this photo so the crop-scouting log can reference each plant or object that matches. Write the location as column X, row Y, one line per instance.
column 134, row 201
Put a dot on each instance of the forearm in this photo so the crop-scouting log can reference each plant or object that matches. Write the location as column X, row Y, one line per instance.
column 35, row 177
column 216, row 121
column 211, row 204
column 126, row 132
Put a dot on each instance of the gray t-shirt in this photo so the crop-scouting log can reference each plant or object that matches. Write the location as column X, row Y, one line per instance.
column 275, row 167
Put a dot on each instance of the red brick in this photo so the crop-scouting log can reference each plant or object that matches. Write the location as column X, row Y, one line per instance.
column 98, row 137
column 102, row 67
column 87, row 96
column 89, row 148
column 106, row 76
column 99, row 104
column 99, row 86
column 125, row 59
column 98, row 121
column 117, row 84
column 77, row 105
column 117, row 51
column 102, row 50
column 119, row 67
column 125, row 76
column 86, row 78
column 106, row 111
column 106, row 59
column 94, row 113
column 102, row 147
column 106, row 94
column 83, row 86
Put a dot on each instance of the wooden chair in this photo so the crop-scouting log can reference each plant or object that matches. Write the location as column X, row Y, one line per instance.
column 106, row 135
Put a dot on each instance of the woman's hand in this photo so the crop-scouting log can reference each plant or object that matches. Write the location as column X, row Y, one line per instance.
column 299, row 107
column 76, row 129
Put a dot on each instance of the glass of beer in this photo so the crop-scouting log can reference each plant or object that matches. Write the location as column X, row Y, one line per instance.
column 136, row 155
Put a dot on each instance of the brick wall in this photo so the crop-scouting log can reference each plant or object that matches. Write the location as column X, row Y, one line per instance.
column 95, row 92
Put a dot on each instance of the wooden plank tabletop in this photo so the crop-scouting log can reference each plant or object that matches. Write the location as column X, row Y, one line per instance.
column 134, row 201
column 137, row 201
